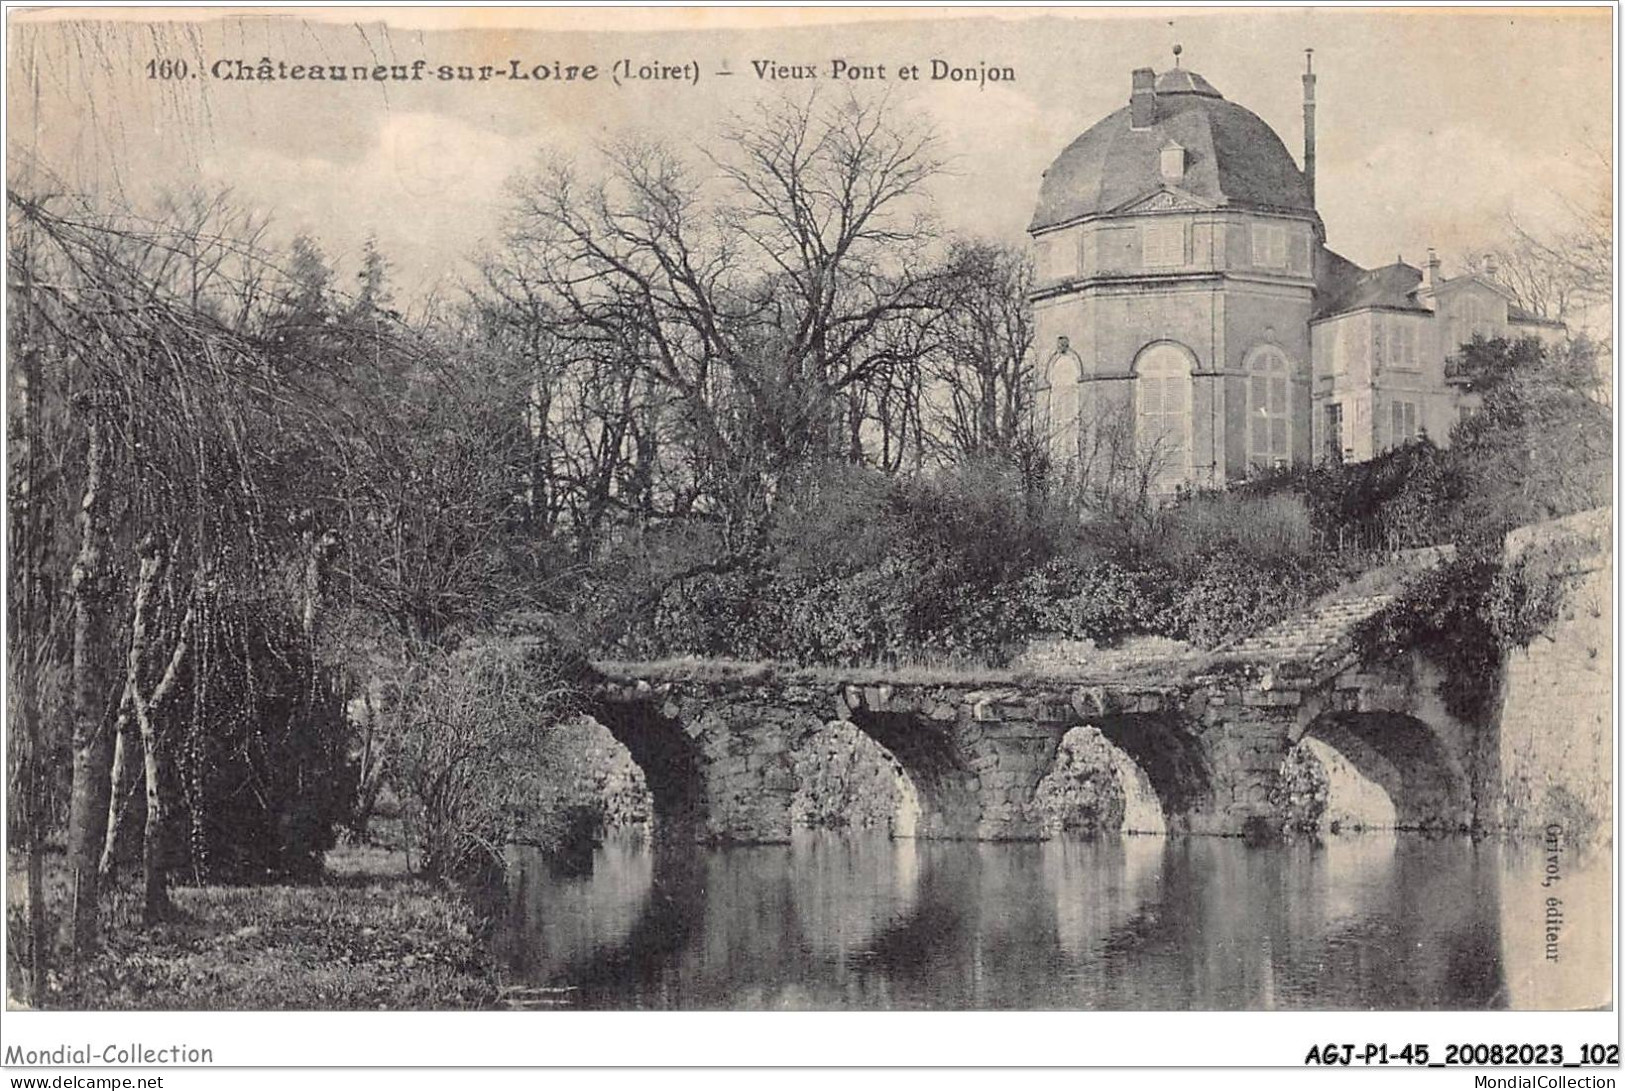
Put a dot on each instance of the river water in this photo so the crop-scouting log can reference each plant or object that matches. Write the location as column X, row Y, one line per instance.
column 860, row 921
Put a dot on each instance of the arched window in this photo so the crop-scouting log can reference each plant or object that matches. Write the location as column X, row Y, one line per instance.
column 1063, row 399
column 1162, row 426
column 1269, row 409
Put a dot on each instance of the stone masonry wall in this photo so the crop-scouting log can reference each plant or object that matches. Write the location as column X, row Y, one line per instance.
column 1556, row 739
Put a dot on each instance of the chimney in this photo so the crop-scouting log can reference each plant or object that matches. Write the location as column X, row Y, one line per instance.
column 1309, row 124
column 1490, row 268
column 1142, row 100
column 1430, row 276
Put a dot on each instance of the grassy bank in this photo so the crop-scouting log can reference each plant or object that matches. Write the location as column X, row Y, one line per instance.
column 367, row 936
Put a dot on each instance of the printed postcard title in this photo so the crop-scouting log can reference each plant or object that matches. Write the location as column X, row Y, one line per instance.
column 619, row 72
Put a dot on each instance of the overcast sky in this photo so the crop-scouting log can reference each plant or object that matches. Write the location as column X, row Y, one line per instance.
column 1433, row 125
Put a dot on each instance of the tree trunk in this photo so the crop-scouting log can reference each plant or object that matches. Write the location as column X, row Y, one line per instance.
column 157, row 898
column 154, row 870
column 154, row 878
column 317, row 550
column 370, row 780
column 118, row 803
column 27, row 648
column 92, row 752
column 33, row 779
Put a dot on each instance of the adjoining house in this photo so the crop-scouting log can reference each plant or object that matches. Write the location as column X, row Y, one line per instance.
column 1190, row 316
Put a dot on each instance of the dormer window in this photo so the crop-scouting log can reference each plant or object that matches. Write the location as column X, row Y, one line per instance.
column 1173, row 162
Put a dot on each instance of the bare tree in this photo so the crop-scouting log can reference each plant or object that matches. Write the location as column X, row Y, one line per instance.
column 982, row 364
column 1108, row 468
column 1564, row 272
column 751, row 296
column 181, row 423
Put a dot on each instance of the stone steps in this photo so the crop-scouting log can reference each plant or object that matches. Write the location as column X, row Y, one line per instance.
column 1328, row 627
column 1309, row 636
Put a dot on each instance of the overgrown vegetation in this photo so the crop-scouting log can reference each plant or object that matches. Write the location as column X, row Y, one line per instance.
column 1539, row 447
column 963, row 566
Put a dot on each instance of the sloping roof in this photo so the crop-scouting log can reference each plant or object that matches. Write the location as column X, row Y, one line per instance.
column 1183, row 79
column 1343, row 286
column 1231, row 157
column 1335, row 280
column 1522, row 317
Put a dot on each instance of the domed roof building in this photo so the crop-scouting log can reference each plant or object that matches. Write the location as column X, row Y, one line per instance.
column 1192, row 326
column 1231, row 157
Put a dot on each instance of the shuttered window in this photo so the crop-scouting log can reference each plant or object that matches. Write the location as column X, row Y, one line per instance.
column 1404, row 423
column 1269, row 246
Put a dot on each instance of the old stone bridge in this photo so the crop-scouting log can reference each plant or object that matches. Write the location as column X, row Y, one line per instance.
column 1207, row 734
column 1202, row 736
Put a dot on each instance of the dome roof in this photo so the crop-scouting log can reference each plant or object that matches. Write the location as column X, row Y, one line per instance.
column 1231, row 157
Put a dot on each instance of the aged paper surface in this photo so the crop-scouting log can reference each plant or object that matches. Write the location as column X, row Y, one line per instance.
column 1257, row 239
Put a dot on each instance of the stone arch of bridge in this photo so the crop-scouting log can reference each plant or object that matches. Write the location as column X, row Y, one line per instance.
column 741, row 771
column 671, row 760
column 1407, row 759
column 1169, row 756
column 1093, row 786
column 844, row 777
column 943, row 781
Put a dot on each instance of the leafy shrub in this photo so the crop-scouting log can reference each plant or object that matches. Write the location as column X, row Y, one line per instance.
column 1103, row 601
column 1540, row 445
column 858, row 618
column 1464, row 617
column 1262, row 524
column 1409, row 496
column 1229, row 595
column 472, row 747
column 710, row 614
column 835, row 520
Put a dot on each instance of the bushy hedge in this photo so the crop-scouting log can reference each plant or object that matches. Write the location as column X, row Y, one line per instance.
column 964, row 566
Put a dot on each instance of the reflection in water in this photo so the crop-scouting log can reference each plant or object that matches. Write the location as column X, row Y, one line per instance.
column 861, row 921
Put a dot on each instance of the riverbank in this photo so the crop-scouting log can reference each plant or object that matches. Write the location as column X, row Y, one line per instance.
column 368, row 935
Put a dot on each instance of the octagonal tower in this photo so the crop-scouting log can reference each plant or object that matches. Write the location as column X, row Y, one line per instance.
column 1175, row 248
